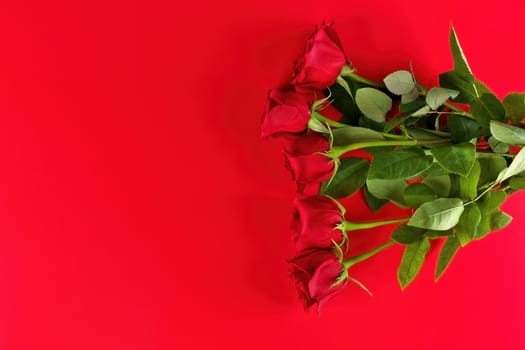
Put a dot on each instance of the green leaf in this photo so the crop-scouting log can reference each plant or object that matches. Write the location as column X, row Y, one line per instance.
column 514, row 104
column 516, row 167
column 468, row 223
column 463, row 129
column 517, row 182
column 440, row 214
column 489, row 205
column 432, row 234
column 499, row 220
column 391, row 190
column 457, row 159
column 447, row 253
column 412, row 261
column 487, row 108
column 422, row 134
column 469, row 90
column 491, row 201
column 350, row 177
column 400, row 82
column 468, row 185
column 440, row 184
column 344, row 84
column 371, row 124
column 373, row 103
column 374, row 151
column 507, row 133
column 373, row 202
column 421, row 112
column 498, row 146
column 417, row 194
column 490, row 168
column 461, row 66
column 405, row 234
column 354, row 134
column 345, row 105
column 399, row 164
column 412, row 106
column 436, row 96
column 410, row 97
column 392, row 123
column 435, row 170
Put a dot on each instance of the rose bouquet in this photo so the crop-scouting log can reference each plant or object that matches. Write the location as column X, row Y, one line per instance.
column 451, row 153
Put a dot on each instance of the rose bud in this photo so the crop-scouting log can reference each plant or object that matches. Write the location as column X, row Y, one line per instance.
column 322, row 62
column 317, row 276
column 306, row 163
column 287, row 111
column 317, row 223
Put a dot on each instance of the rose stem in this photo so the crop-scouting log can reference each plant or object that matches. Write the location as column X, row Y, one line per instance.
column 350, row 226
column 360, row 79
column 338, row 151
column 329, row 121
column 347, row 263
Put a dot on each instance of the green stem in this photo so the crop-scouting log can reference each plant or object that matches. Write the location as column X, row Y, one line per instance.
column 458, row 110
column 394, row 136
column 490, row 154
column 490, row 187
column 351, row 226
column 328, row 121
column 423, row 92
column 347, row 263
column 505, row 188
column 360, row 79
column 462, row 113
column 338, row 151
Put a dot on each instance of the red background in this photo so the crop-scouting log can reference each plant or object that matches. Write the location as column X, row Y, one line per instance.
column 140, row 210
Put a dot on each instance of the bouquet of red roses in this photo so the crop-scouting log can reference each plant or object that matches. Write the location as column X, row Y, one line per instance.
column 452, row 153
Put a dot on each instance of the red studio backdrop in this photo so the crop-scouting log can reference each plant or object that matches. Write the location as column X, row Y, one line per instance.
column 140, row 210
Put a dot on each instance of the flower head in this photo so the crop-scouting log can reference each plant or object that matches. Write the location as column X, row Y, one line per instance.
column 287, row 111
column 316, row 274
column 322, row 61
column 316, row 223
column 304, row 159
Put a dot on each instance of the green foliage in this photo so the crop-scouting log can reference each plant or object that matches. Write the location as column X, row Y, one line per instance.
column 350, row 177
column 514, row 104
column 373, row 103
column 436, row 97
column 468, row 185
column 457, row 159
column 372, row 201
column 405, row 234
column 440, row 214
column 516, row 167
column 412, row 261
column 468, row 224
column 487, row 108
column 400, row 82
column 401, row 164
column 507, row 133
column 447, row 253
column 417, row 194
column 391, row 190
column 354, row 134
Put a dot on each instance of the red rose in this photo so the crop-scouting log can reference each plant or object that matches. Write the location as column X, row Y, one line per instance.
column 307, row 165
column 287, row 111
column 322, row 62
column 314, row 223
column 314, row 273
